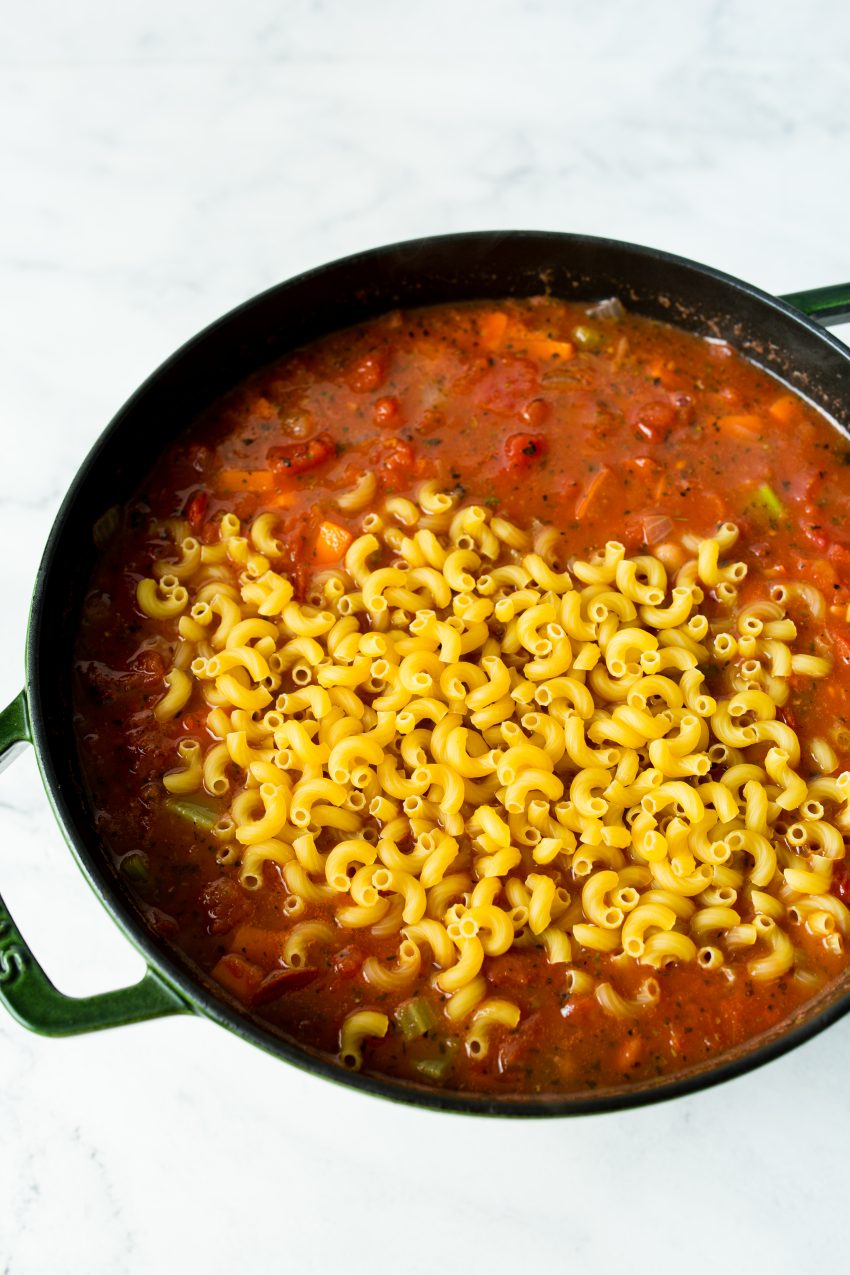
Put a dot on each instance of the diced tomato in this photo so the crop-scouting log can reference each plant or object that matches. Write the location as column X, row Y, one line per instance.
column 655, row 419
column 225, row 905
column 535, row 412
column 841, row 645
column 522, row 449
column 196, row 510
column 150, row 666
column 386, row 410
column 347, row 962
column 161, row 923
column 299, row 458
column 279, row 982
column 369, row 374
column 298, row 533
column 397, row 458
column 513, row 1050
column 841, row 879
column 839, row 555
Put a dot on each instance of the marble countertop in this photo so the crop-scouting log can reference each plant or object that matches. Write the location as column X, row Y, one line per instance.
column 161, row 163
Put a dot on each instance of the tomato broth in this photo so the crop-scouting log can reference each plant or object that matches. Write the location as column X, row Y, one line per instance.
column 604, row 425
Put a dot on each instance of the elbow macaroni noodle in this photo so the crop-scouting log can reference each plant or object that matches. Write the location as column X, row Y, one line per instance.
column 456, row 743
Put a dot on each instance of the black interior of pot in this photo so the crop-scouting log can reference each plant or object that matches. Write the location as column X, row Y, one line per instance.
column 457, row 267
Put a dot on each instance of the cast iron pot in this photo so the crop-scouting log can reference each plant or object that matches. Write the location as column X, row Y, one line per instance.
column 779, row 334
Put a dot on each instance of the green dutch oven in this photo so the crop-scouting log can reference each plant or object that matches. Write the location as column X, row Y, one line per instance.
column 782, row 334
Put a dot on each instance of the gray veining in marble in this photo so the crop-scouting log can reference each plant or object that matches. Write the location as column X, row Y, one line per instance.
column 161, row 162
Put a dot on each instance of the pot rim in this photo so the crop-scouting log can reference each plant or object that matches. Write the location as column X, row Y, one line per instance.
column 195, row 987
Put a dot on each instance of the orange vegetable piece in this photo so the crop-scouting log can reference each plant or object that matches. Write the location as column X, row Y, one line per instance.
column 239, row 977
column 262, row 408
column 332, row 540
column 629, row 1053
column 493, row 328
column 785, row 409
column 245, row 480
column 597, row 482
column 744, row 425
column 263, row 947
column 544, row 348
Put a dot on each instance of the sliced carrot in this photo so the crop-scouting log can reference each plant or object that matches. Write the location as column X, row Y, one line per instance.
column 744, row 425
column 263, row 947
column 245, row 480
column 597, row 482
column 541, row 347
column 239, row 977
column 332, row 540
column 493, row 327
column 785, row 408
column 629, row 1053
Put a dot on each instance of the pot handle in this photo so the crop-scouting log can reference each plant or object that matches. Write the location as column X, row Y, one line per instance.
column 25, row 989
column 829, row 306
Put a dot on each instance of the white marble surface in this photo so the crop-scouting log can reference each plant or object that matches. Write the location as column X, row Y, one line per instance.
column 161, row 162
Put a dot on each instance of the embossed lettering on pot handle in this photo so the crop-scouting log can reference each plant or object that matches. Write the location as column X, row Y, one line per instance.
column 25, row 989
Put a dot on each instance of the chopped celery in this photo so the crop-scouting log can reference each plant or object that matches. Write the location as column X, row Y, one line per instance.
column 436, row 1069
column 769, row 501
column 135, row 868
column 587, row 338
column 192, row 811
column 106, row 526
column 415, row 1018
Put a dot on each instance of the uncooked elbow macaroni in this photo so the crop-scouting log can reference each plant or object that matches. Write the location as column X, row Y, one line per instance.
column 460, row 741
